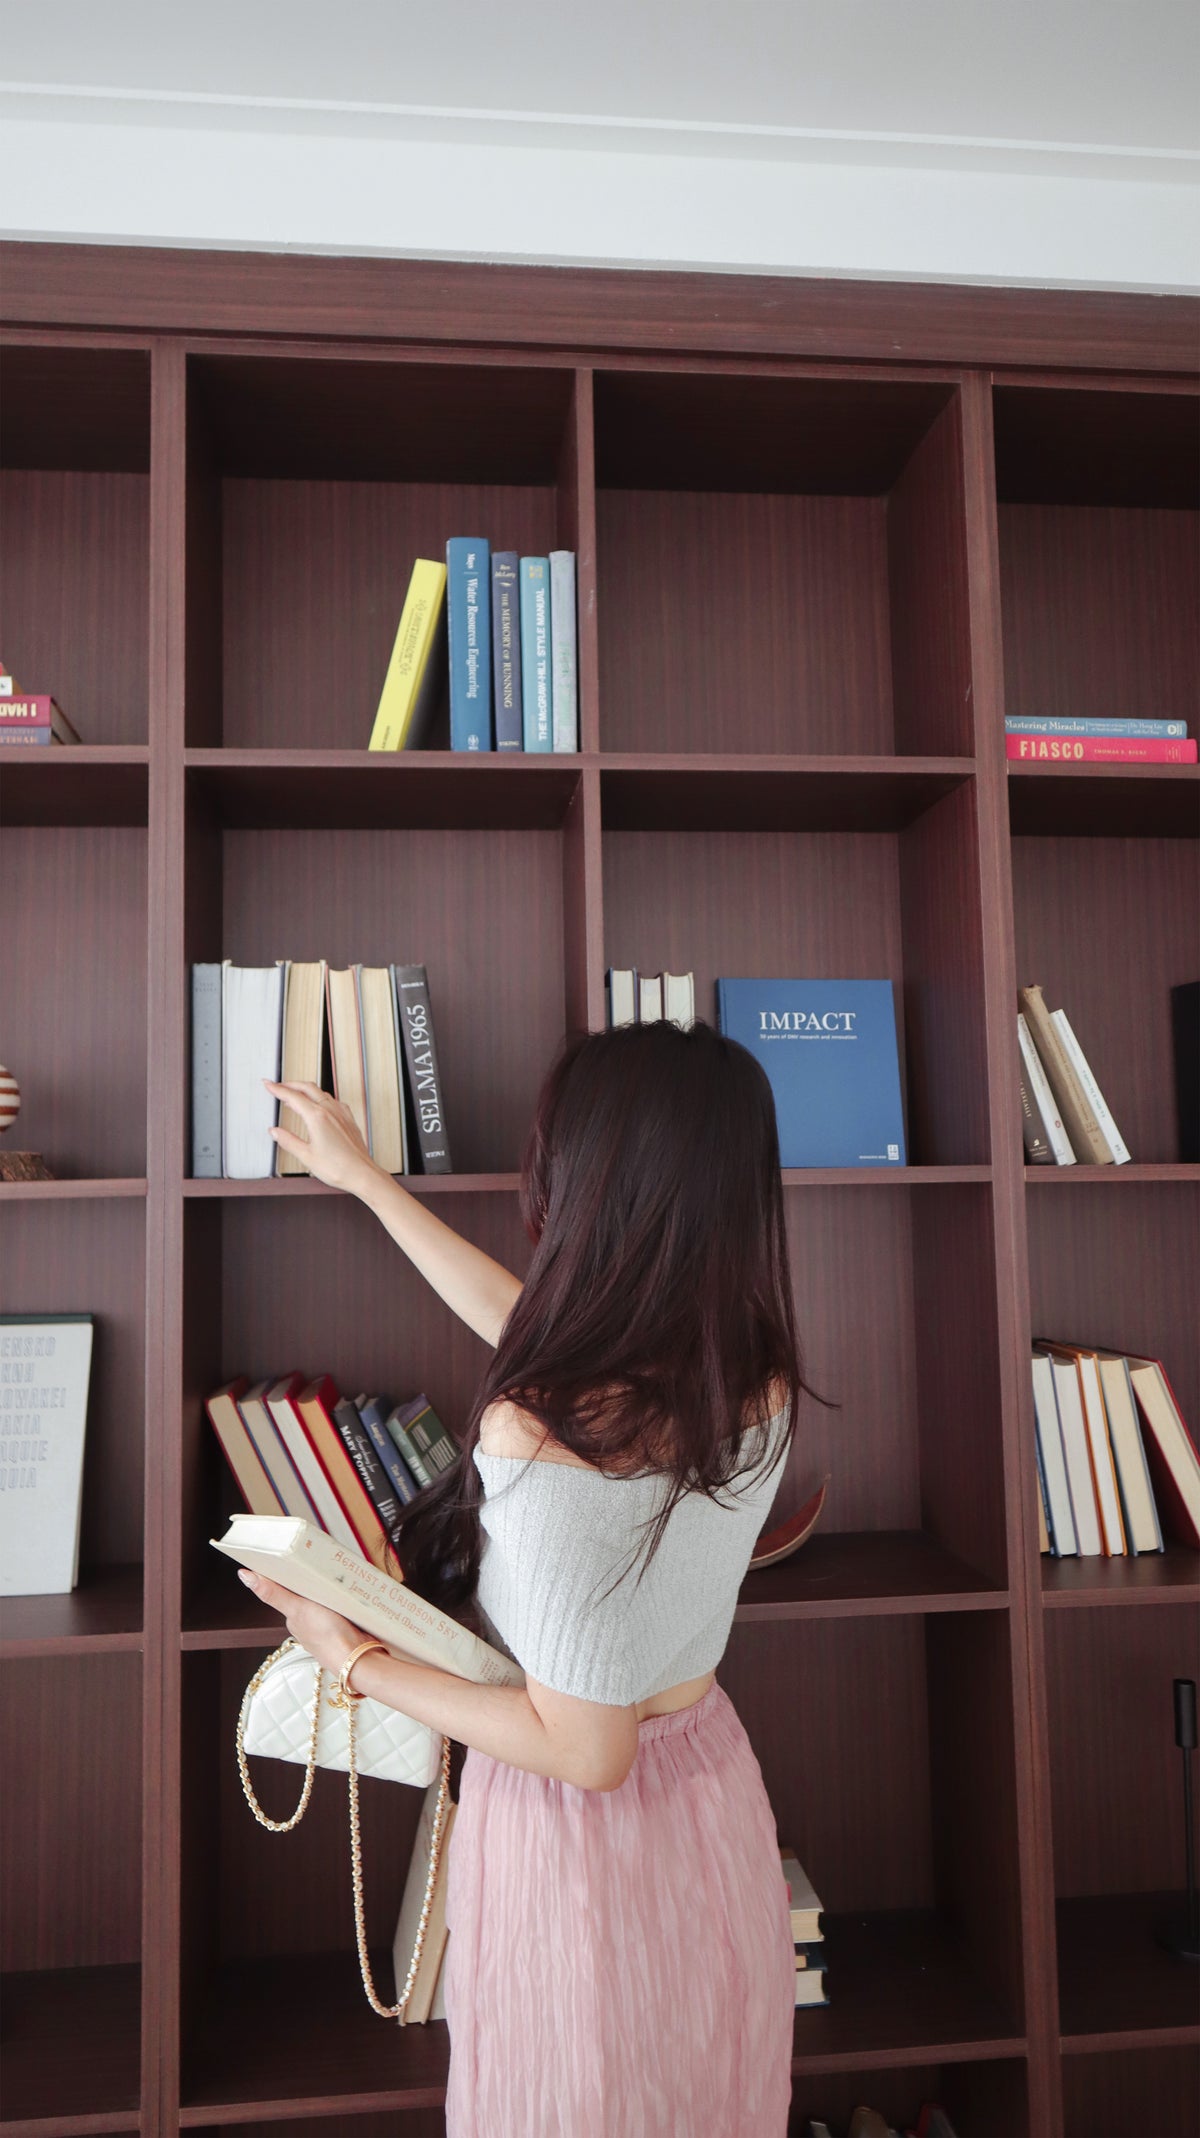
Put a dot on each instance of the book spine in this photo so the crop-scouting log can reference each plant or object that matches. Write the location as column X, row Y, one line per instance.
column 206, row 1072
column 421, row 1068
column 405, row 1155
column 621, row 995
column 1043, row 1097
column 1097, row 750
column 401, row 1484
column 468, row 605
column 411, row 1454
column 26, row 713
column 536, row 654
column 437, row 1448
column 1099, row 1104
column 1082, row 1125
column 1033, row 1133
column 565, row 691
column 411, row 660
column 368, row 1134
column 1145, row 730
column 30, row 738
column 348, row 1421
column 506, row 649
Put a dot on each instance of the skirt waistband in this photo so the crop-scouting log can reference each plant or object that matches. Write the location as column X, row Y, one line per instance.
column 681, row 1718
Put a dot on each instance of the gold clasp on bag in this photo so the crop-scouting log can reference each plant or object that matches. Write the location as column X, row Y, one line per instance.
column 346, row 1697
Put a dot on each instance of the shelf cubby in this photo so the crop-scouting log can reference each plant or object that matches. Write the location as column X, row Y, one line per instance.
column 1118, row 2091
column 316, row 481
column 988, row 2099
column 75, row 536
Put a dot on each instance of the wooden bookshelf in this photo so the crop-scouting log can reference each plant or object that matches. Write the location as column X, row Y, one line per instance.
column 826, row 534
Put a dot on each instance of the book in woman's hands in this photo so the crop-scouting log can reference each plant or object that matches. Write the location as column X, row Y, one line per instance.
column 313, row 1564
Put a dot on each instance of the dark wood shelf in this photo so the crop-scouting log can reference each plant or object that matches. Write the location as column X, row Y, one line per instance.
column 902, row 1990
column 359, row 790
column 68, row 1191
column 76, row 783
column 883, row 1176
column 1133, row 1174
column 71, row 2050
column 1105, row 801
column 303, row 1184
column 1118, row 1988
column 866, row 1575
column 102, row 1616
column 1170, row 1577
column 292, row 2031
column 677, row 792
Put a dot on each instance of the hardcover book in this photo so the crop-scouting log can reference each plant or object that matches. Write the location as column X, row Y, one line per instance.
column 1098, row 750
column 252, row 1036
column 206, row 1072
column 536, row 683
column 412, row 685
column 829, row 1048
column 469, row 612
column 45, row 1366
column 422, row 1075
column 564, row 692
column 506, row 649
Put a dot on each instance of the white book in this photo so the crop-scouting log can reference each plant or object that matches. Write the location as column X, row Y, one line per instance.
column 564, row 692
column 45, row 1365
column 1069, row 1397
column 1099, row 1105
column 1054, row 1462
column 1103, row 1466
column 306, row 1560
column 650, row 998
column 1042, row 1096
column 803, row 1899
column 621, row 988
column 309, row 1465
column 1142, row 1528
column 679, row 1000
column 251, row 1038
column 424, row 1997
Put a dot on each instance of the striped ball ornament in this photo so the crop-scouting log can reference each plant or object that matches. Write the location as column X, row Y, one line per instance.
column 10, row 1097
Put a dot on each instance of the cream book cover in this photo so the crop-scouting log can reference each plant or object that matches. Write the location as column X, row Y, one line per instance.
column 45, row 1364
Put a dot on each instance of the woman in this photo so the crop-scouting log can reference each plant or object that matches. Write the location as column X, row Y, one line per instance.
column 620, row 1958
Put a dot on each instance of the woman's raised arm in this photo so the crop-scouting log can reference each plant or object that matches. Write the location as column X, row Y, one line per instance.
column 480, row 1291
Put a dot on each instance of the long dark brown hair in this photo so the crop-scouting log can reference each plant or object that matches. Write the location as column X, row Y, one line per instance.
column 656, row 1321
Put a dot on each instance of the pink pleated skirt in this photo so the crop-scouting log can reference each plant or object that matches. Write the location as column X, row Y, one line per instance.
column 620, row 1963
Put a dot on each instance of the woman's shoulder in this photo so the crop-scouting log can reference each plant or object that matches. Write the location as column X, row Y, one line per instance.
column 509, row 1433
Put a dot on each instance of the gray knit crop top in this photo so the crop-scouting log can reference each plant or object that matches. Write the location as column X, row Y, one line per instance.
column 556, row 1535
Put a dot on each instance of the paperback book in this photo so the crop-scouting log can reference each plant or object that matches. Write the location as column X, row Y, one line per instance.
column 829, row 1049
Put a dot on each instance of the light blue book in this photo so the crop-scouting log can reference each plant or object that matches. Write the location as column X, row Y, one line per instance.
column 469, row 613
column 1064, row 724
column 829, row 1050
column 564, row 692
column 536, row 684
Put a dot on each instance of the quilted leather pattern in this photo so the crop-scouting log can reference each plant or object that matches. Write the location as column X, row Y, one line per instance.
column 388, row 1745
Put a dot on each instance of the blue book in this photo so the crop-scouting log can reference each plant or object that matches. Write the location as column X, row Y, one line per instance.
column 469, row 612
column 1065, row 724
column 829, row 1049
column 536, row 687
column 506, row 649
column 374, row 1412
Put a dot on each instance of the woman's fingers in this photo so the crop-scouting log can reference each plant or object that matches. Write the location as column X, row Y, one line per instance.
column 288, row 1141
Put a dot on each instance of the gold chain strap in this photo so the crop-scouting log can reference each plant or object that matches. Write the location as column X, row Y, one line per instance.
column 284, row 1826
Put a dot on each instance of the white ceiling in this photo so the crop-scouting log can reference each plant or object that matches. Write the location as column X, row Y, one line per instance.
column 1016, row 83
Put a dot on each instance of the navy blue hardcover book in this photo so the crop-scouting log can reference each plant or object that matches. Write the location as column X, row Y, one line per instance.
column 469, row 612
column 829, row 1049
column 506, row 649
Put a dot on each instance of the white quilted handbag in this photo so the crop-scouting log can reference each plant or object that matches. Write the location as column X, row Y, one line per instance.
column 288, row 1712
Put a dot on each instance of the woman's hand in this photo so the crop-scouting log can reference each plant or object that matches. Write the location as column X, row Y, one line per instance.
column 334, row 1151
column 322, row 1633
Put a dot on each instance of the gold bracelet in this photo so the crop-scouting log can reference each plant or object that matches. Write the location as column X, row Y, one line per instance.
column 345, row 1692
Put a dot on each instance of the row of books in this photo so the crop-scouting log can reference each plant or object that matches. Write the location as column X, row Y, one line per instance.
column 365, row 1030
column 1033, row 739
column 30, row 718
column 1065, row 1117
column 1114, row 1456
column 45, row 1371
column 649, row 998
column 932, row 2122
column 808, row 1932
column 298, row 1447
column 510, row 640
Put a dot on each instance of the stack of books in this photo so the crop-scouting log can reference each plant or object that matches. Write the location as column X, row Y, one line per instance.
column 649, row 998
column 297, row 1447
column 1034, row 740
column 367, row 1027
column 1114, row 1456
column 807, row 1931
column 511, row 642
column 30, row 720
column 1065, row 1117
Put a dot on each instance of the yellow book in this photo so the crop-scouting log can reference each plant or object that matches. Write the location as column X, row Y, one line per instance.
column 411, row 681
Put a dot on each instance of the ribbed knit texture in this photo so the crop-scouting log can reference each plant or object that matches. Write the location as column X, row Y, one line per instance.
column 556, row 1535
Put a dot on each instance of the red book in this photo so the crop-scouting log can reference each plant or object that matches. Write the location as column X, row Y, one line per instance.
column 35, row 718
column 314, row 1403
column 1099, row 750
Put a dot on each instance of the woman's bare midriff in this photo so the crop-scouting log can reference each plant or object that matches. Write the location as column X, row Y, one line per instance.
column 675, row 1697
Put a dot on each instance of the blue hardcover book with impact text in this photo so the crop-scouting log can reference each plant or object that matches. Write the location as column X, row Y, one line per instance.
column 829, row 1049
column 469, row 612
column 536, row 683
column 506, row 649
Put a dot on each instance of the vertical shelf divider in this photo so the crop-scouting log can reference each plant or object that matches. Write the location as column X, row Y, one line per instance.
column 166, row 1074
column 1008, row 1217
